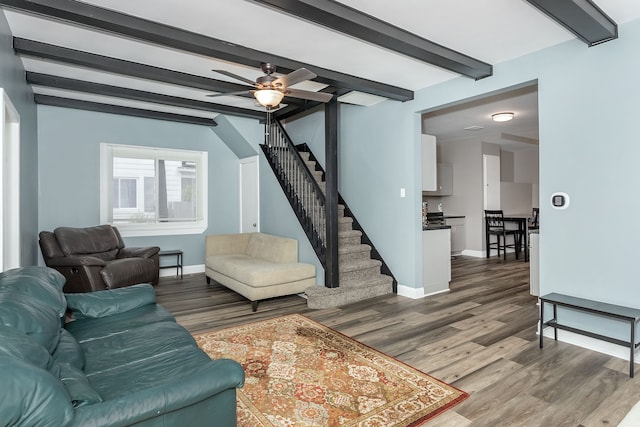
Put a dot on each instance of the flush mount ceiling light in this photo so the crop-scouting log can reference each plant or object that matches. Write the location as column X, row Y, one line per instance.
column 269, row 98
column 502, row 117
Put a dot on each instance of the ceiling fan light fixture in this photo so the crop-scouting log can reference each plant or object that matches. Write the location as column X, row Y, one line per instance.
column 502, row 117
column 269, row 98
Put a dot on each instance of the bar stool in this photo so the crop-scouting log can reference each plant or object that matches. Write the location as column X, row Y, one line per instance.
column 494, row 226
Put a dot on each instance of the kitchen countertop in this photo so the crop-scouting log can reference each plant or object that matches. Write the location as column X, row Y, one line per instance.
column 432, row 227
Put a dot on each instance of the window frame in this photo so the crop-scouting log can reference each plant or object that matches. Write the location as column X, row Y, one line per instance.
column 198, row 226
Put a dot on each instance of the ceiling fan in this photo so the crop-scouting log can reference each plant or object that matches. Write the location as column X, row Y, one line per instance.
column 269, row 90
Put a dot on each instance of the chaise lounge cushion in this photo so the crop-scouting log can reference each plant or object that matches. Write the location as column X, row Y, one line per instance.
column 257, row 272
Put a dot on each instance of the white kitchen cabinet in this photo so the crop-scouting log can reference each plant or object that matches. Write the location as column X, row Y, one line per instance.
column 429, row 163
column 457, row 234
column 436, row 261
column 444, row 178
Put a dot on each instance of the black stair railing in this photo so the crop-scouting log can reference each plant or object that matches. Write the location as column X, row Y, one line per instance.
column 301, row 189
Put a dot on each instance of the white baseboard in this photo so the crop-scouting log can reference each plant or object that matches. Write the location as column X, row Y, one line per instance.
column 413, row 293
column 477, row 254
column 482, row 254
column 589, row 343
column 416, row 293
column 187, row 269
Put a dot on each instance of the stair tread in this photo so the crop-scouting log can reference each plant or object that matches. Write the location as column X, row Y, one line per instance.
column 349, row 233
column 342, row 249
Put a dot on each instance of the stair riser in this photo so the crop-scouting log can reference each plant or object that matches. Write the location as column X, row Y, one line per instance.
column 357, row 275
column 345, row 296
column 353, row 256
column 345, row 226
column 348, row 241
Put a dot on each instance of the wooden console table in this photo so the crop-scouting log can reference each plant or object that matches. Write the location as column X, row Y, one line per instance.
column 628, row 314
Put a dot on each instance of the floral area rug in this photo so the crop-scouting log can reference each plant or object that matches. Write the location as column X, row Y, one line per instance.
column 301, row 373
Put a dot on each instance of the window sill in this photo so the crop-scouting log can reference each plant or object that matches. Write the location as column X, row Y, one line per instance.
column 166, row 229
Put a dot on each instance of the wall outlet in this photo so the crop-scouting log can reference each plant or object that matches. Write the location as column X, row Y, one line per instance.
column 402, row 192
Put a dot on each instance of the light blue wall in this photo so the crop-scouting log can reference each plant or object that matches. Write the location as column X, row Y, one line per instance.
column 12, row 80
column 589, row 101
column 69, row 143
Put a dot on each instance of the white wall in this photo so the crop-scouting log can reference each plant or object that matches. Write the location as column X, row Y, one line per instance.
column 526, row 169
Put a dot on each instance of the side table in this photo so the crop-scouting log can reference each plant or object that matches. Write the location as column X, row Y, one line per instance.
column 178, row 263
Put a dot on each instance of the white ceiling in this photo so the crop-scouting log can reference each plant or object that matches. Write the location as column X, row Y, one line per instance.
column 471, row 121
column 492, row 31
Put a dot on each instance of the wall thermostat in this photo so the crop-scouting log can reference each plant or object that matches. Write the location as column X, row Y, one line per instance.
column 560, row 200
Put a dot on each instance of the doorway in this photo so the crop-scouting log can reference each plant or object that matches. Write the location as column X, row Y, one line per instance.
column 495, row 164
column 9, row 184
column 249, row 195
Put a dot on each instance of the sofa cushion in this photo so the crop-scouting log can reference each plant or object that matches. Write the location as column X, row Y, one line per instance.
column 68, row 351
column 110, row 301
column 40, row 322
column 91, row 329
column 32, row 396
column 43, row 285
column 140, row 375
column 258, row 272
column 89, row 240
column 77, row 385
column 16, row 344
column 143, row 343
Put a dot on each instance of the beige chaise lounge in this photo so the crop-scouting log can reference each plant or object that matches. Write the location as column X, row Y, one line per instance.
column 257, row 265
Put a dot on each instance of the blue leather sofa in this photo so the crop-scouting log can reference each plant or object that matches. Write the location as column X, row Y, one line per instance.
column 123, row 361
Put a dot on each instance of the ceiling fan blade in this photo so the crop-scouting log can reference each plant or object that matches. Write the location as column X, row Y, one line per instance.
column 235, row 76
column 311, row 96
column 242, row 92
column 297, row 76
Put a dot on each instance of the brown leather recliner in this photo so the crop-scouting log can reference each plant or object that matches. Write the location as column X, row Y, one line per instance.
column 94, row 258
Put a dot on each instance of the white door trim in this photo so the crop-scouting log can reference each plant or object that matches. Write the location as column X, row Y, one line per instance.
column 9, row 183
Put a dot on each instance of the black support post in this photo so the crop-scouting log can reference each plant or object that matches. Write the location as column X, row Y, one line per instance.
column 331, row 274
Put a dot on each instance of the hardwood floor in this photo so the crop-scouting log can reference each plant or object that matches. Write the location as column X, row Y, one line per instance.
column 480, row 337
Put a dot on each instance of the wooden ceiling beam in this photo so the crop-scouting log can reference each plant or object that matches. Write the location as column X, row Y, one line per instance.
column 352, row 22
column 57, row 101
column 39, row 79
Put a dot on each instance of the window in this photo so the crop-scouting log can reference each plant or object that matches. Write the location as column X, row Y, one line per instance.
column 124, row 193
column 153, row 191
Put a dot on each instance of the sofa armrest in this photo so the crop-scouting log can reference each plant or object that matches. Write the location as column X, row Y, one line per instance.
column 216, row 377
column 129, row 271
column 76, row 261
column 110, row 302
column 138, row 252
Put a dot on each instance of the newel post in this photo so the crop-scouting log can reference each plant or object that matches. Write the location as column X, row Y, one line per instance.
column 331, row 274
